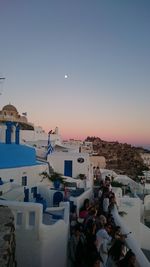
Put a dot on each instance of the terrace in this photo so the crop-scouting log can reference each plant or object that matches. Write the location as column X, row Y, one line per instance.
column 39, row 220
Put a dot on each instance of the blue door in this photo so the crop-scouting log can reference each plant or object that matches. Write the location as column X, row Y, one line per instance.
column 68, row 168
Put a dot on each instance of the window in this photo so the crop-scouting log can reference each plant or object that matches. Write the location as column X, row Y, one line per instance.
column 80, row 160
column 24, row 180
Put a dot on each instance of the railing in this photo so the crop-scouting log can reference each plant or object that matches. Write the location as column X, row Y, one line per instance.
column 130, row 240
column 62, row 209
column 5, row 187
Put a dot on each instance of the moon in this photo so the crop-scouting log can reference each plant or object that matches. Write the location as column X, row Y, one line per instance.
column 66, row 76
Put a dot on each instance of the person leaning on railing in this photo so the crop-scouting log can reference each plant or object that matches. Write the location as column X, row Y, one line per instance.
column 128, row 261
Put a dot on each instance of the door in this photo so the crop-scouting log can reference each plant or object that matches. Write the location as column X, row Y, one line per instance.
column 68, row 168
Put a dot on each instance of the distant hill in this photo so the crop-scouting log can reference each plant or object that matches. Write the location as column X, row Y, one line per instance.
column 147, row 147
column 120, row 157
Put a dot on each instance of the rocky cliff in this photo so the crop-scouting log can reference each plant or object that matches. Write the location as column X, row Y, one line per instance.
column 120, row 157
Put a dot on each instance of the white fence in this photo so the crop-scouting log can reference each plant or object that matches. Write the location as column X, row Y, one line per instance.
column 131, row 241
column 37, row 244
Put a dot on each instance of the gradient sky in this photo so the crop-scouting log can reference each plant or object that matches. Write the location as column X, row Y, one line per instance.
column 104, row 48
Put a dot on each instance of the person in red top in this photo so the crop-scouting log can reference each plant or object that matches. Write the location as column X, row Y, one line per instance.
column 84, row 211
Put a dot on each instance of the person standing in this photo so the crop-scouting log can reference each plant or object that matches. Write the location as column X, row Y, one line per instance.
column 77, row 248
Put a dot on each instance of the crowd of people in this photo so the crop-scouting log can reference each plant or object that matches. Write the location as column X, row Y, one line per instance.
column 95, row 239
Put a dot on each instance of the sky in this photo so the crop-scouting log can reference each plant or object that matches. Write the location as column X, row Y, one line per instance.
column 81, row 65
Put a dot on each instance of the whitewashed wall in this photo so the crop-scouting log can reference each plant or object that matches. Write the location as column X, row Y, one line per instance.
column 145, row 237
column 33, row 135
column 147, row 202
column 132, row 206
column 117, row 191
column 54, row 245
column 47, row 194
column 98, row 161
column 57, row 159
column 39, row 245
column 54, row 248
column 131, row 241
column 32, row 172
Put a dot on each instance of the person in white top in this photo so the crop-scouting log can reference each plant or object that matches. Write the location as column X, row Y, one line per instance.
column 103, row 241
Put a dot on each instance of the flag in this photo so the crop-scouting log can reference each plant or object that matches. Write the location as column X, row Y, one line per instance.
column 50, row 149
column 24, row 113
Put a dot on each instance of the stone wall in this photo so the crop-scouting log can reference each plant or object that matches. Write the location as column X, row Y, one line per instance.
column 7, row 238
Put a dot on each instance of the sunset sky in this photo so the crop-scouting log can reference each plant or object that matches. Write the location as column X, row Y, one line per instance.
column 81, row 65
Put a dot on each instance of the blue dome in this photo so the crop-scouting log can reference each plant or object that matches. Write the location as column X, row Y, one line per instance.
column 13, row 156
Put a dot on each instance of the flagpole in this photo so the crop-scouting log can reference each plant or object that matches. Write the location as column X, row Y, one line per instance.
column 50, row 149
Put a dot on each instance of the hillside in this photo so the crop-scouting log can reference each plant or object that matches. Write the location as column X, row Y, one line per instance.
column 120, row 157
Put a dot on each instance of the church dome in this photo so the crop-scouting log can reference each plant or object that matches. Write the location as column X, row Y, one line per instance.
column 9, row 108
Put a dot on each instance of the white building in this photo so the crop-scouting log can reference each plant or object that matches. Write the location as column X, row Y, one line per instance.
column 98, row 161
column 72, row 164
column 41, row 237
column 146, row 158
column 36, row 221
